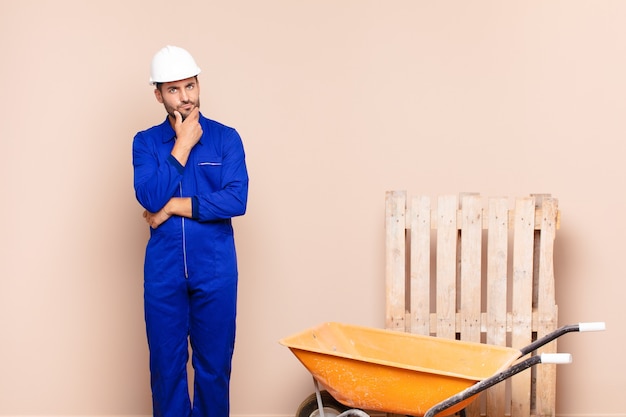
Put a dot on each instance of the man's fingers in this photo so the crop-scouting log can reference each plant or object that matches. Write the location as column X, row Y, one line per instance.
column 178, row 116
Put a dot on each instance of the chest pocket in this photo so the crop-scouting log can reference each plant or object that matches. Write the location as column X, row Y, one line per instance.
column 208, row 175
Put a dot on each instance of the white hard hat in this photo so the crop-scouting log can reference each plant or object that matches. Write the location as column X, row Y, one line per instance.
column 172, row 64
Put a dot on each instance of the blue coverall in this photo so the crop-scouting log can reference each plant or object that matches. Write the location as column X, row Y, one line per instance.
column 190, row 270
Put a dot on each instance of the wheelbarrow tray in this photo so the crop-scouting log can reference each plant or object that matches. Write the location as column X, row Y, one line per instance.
column 394, row 372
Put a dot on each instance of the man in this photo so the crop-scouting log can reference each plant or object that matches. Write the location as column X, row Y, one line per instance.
column 190, row 176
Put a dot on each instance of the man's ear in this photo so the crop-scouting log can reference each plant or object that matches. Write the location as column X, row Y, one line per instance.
column 157, row 94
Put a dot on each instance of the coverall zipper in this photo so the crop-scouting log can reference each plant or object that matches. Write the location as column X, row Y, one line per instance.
column 182, row 221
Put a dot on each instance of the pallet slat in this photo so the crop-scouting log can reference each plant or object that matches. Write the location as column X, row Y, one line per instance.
column 546, row 309
column 470, row 274
column 395, row 259
column 470, row 284
column 446, row 267
column 420, row 260
column 496, row 317
column 522, row 288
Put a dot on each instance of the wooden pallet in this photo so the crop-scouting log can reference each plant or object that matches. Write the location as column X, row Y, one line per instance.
column 477, row 270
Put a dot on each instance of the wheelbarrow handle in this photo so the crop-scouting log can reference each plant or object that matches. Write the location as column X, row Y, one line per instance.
column 592, row 327
column 580, row 327
column 555, row 358
column 483, row 385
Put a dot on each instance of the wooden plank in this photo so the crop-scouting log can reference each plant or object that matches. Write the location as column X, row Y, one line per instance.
column 483, row 322
column 470, row 276
column 496, row 316
column 395, row 265
column 446, row 266
column 522, row 289
column 485, row 224
column 470, row 284
column 420, row 265
column 546, row 308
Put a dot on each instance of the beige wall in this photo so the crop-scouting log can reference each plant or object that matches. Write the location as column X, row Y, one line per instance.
column 337, row 102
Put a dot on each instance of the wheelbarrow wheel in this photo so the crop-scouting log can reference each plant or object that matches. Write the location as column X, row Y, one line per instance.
column 309, row 408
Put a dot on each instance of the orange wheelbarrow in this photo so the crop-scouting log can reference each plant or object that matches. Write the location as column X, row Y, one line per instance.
column 393, row 372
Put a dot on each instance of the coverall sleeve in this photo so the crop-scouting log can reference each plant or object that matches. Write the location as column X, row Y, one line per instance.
column 155, row 179
column 231, row 200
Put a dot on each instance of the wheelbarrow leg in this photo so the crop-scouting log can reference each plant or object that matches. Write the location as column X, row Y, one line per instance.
column 318, row 394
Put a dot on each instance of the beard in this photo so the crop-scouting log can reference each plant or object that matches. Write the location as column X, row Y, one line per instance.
column 184, row 113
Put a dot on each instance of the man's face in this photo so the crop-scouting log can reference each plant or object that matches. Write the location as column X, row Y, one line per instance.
column 181, row 96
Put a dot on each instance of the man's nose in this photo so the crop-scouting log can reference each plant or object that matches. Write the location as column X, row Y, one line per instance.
column 183, row 95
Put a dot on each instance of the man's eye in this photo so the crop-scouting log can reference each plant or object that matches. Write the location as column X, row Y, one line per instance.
column 190, row 87
column 172, row 90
